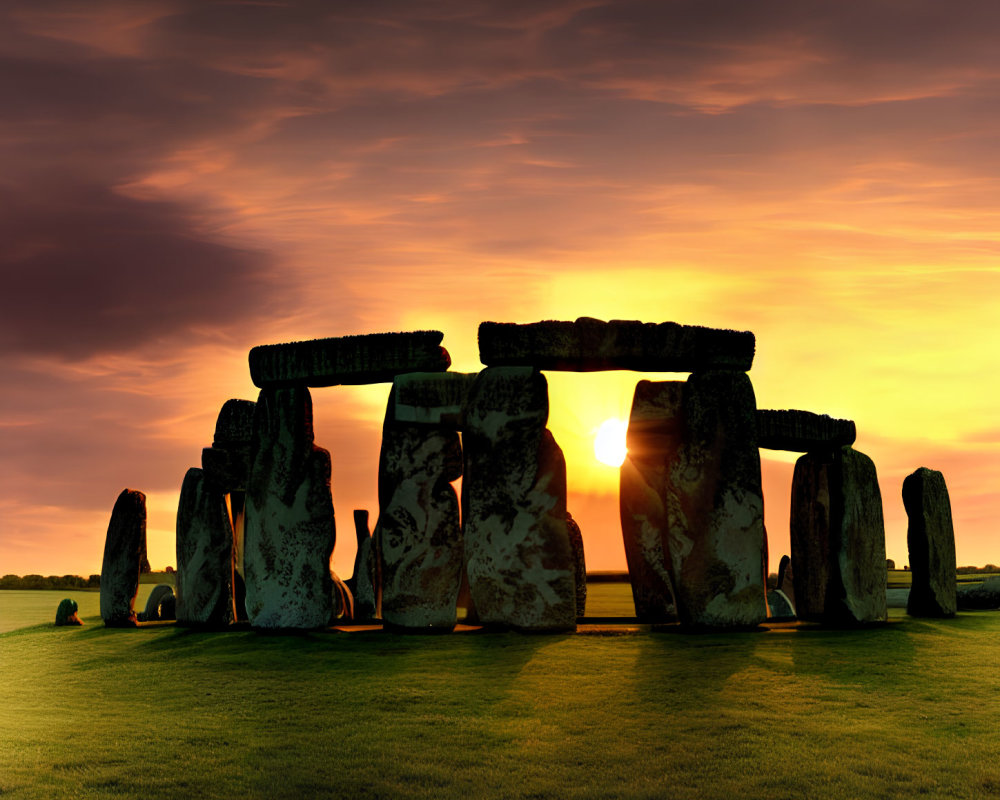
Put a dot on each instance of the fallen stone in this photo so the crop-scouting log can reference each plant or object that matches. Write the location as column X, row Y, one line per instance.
column 518, row 555
column 67, row 614
column 160, row 605
column 123, row 550
column 589, row 345
column 290, row 531
column 715, row 505
column 364, row 581
column 204, row 554
column 579, row 564
column 930, row 538
column 419, row 533
column 802, row 431
column 432, row 398
column 979, row 597
column 656, row 407
column 838, row 539
column 375, row 358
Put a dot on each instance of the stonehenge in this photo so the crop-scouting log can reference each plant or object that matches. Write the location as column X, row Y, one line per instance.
column 256, row 526
column 123, row 551
column 930, row 539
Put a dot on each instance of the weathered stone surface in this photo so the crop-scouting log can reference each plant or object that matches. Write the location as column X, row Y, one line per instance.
column 643, row 498
column 518, row 555
column 67, row 614
column 715, row 504
column 838, row 538
column 420, row 537
column 579, row 564
column 802, row 431
column 589, row 345
column 290, row 531
column 432, row 398
column 375, row 358
column 930, row 538
column 364, row 581
column 779, row 607
column 123, row 550
column 160, row 605
column 234, row 425
column 204, row 554
column 227, row 461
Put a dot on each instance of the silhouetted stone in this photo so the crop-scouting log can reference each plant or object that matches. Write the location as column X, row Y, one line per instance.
column 930, row 538
column 715, row 504
column 802, row 431
column 375, row 358
column 838, row 538
column 589, row 345
column 342, row 600
column 123, row 549
column 643, row 498
column 579, row 564
column 363, row 582
column 518, row 555
column 786, row 579
column 432, row 398
column 290, row 531
column 418, row 526
column 234, row 425
column 67, row 614
column 227, row 461
column 204, row 554
column 160, row 605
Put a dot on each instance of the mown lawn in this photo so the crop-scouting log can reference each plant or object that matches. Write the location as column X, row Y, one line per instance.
column 912, row 708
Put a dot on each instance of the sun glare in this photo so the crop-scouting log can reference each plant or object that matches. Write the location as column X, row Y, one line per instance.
column 609, row 443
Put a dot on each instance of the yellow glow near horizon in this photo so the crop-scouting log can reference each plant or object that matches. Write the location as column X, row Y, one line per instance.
column 609, row 443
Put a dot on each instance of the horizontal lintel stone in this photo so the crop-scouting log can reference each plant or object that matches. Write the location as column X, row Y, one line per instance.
column 592, row 345
column 802, row 431
column 374, row 358
column 432, row 398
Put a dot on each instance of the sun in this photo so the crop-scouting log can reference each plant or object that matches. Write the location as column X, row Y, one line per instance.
column 609, row 443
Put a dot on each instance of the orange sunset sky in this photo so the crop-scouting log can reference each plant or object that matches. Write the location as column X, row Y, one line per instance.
column 184, row 180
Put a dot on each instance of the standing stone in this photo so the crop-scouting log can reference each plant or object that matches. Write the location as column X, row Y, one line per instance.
column 838, row 538
column 160, row 605
column 518, row 554
column 204, row 554
column 421, row 551
column 290, row 531
column 715, row 504
column 930, row 538
column 123, row 549
column 643, row 498
column 579, row 564
column 362, row 584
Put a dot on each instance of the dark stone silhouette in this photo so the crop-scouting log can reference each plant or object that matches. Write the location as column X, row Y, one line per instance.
column 579, row 564
column 518, row 555
column 930, row 538
column 123, row 549
column 802, row 431
column 290, row 531
column 786, row 579
column 432, row 398
column 375, row 358
column 838, row 539
column 589, row 345
column 363, row 582
column 204, row 554
column 779, row 606
column 420, row 537
column 643, row 499
column 67, row 614
column 160, row 605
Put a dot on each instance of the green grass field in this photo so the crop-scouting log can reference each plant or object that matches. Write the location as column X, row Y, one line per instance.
column 907, row 709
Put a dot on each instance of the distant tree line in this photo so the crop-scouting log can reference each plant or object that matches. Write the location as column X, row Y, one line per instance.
column 60, row 581
column 50, row 582
column 989, row 568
